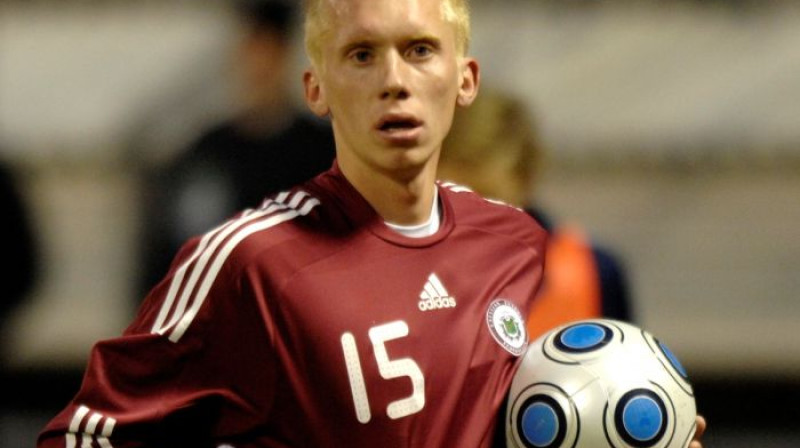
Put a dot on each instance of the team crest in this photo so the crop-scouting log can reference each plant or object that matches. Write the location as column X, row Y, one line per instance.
column 507, row 326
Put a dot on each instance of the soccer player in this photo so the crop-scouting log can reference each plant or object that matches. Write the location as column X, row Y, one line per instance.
column 370, row 306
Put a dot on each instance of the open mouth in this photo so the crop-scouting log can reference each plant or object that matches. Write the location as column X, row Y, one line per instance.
column 398, row 124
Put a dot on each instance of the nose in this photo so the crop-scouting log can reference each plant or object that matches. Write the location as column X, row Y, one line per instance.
column 395, row 78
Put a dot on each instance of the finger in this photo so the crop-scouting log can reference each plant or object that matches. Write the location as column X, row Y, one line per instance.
column 701, row 428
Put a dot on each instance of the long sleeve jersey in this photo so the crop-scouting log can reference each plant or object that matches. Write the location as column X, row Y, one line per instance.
column 308, row 322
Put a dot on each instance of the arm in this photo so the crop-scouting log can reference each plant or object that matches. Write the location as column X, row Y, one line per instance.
column 149, row 388
column 135, row 393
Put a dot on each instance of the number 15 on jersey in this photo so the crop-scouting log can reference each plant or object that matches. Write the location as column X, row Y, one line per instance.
column 388, row 368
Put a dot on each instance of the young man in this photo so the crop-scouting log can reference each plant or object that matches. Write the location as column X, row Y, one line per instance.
column 368, row 307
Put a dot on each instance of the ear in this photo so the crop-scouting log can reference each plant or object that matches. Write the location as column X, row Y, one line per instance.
column 314, row 95
column 470, row 82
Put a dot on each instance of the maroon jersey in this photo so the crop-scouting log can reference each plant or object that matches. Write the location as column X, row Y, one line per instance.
column 308, row 322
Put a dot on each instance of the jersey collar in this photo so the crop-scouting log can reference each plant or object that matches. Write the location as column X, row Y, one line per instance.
column 362, row 215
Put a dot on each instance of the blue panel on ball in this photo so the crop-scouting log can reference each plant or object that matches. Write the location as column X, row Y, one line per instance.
column 673, row 359
column 642, row 418
column 584, row 337
column 540, row 424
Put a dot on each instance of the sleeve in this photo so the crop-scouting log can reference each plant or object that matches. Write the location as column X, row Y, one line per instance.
column 179, row 375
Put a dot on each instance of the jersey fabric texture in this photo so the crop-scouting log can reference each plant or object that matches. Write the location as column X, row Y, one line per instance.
column 308, row 322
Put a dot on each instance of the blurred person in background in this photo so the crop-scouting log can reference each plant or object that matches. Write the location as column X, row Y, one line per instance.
column 269, row 146
column 19, row 254
column 494, row 149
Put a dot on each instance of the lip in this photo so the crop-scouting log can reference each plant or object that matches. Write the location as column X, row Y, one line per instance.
column 408, row 133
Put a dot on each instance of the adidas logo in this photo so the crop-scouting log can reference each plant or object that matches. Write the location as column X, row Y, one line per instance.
column 434, row 296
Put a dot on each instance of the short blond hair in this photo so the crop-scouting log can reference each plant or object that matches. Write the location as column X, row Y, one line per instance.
column 316, row 26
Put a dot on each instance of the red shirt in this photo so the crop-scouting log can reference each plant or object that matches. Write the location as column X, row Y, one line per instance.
column 308, row 322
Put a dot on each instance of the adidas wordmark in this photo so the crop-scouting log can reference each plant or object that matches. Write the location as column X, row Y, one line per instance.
column 434, row 296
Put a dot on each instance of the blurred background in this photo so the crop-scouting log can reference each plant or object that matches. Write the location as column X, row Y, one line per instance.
column 673, row 136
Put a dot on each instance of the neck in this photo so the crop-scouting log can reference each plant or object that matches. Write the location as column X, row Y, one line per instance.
column 404, row 199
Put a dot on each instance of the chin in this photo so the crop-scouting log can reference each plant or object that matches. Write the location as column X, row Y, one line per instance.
column 413, row 160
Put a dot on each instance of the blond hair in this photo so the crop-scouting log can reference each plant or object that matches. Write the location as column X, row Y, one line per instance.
column 317, row 26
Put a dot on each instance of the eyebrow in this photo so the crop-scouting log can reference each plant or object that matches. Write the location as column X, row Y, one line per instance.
column 433, row 40
column 361, row 43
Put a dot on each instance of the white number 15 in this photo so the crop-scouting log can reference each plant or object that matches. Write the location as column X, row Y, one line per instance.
column 388, row 368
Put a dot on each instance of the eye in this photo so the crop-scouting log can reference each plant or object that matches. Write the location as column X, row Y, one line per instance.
column 361, row 55
column 420, row 51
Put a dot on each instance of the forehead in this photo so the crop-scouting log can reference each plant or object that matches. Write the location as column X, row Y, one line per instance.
column 356, row 19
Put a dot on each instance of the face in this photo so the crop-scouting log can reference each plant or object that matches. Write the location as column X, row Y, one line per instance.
column 390, row 77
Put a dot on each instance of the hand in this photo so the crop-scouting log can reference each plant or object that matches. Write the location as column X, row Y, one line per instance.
column 698, row 434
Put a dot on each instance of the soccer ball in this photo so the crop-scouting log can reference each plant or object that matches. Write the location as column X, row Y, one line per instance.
column 600, row 383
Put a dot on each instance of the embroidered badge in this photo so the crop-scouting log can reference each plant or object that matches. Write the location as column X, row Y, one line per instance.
column 507, row 326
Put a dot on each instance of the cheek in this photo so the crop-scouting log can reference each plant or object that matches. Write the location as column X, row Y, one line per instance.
column 447, row 81
column 445, row 92
column 350, row 86
column 445, row 108
column 337, row 94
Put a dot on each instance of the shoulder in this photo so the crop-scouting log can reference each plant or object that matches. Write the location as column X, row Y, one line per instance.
column 212, row 266
column 474, row 211
column 305, row 215
column 225, row 252
column 275, row 210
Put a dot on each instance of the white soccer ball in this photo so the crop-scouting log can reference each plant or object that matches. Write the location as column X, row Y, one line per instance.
column 600, row 383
